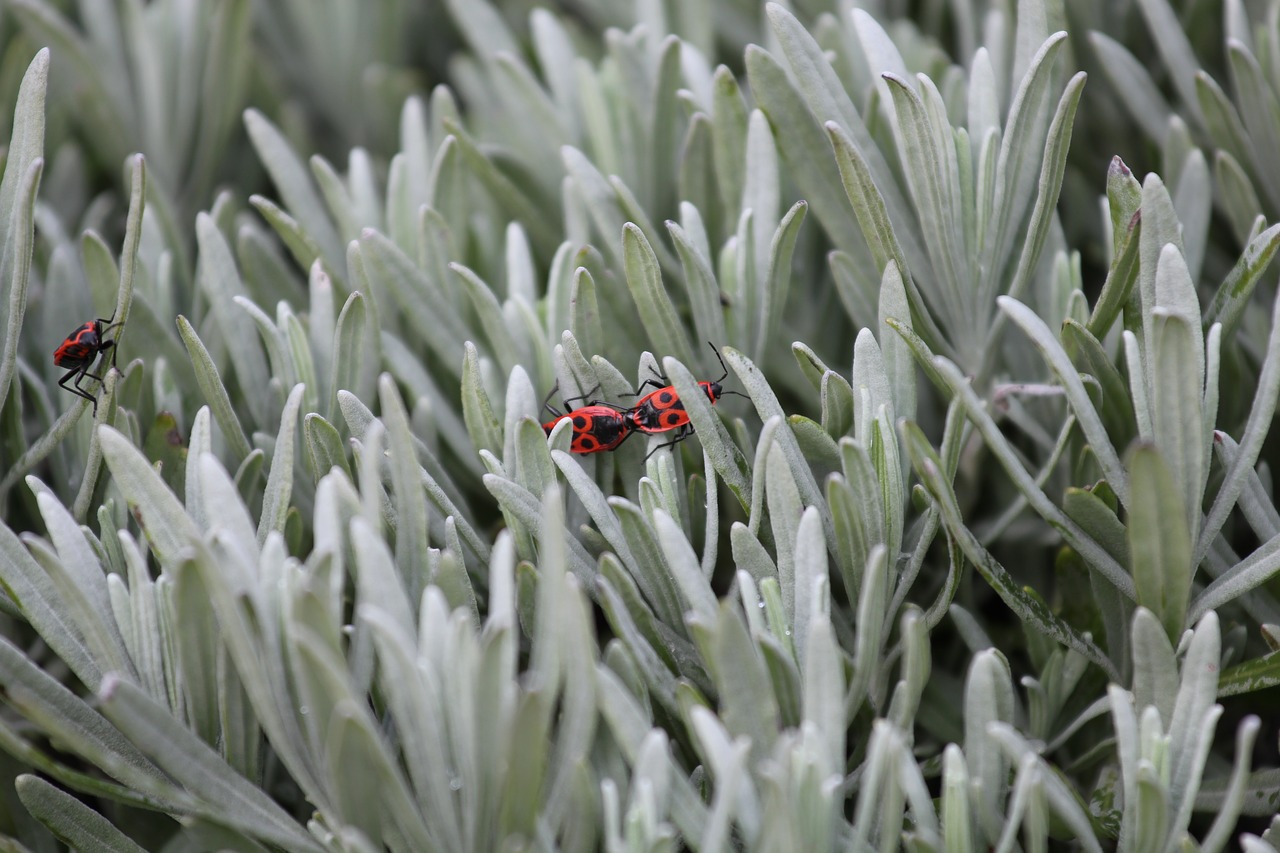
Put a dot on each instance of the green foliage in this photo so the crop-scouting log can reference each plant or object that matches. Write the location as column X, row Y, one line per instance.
column 977, row 556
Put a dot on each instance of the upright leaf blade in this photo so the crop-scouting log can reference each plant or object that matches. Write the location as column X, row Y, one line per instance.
column 1159, row 541
column 644, row 279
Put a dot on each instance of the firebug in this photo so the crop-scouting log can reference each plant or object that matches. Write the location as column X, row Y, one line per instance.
column 596, row 427
column 662, row 411
column 78, row 352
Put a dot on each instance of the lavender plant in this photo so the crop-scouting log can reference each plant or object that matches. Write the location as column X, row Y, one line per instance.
column 982, row 557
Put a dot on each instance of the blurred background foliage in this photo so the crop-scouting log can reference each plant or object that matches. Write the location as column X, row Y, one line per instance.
column 980, row 563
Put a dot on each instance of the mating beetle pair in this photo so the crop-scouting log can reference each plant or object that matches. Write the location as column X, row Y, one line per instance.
column 604, row 426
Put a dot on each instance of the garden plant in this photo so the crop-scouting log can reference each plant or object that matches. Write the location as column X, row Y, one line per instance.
column 961, row 535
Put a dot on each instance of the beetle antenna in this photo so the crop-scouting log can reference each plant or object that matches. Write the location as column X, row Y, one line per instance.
column 720, row 359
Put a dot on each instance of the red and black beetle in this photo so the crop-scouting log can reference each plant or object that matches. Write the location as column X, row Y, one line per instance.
column 596, row 427
column 78, row 352
column 662, row 410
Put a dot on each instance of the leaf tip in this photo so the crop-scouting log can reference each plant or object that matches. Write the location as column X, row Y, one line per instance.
column 110, row 684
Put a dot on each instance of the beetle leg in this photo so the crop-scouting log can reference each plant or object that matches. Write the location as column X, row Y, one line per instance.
column 79, row 373
column 582, row 397
column 115, row 351
column 654, row 382
column 107, row 325
column 681, row 434
column 546, row 404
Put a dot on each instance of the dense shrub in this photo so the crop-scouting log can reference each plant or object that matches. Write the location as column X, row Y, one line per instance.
column 978, row 554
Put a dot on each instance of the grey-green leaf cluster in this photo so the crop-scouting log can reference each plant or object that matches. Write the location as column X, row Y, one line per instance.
column 973, row 543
